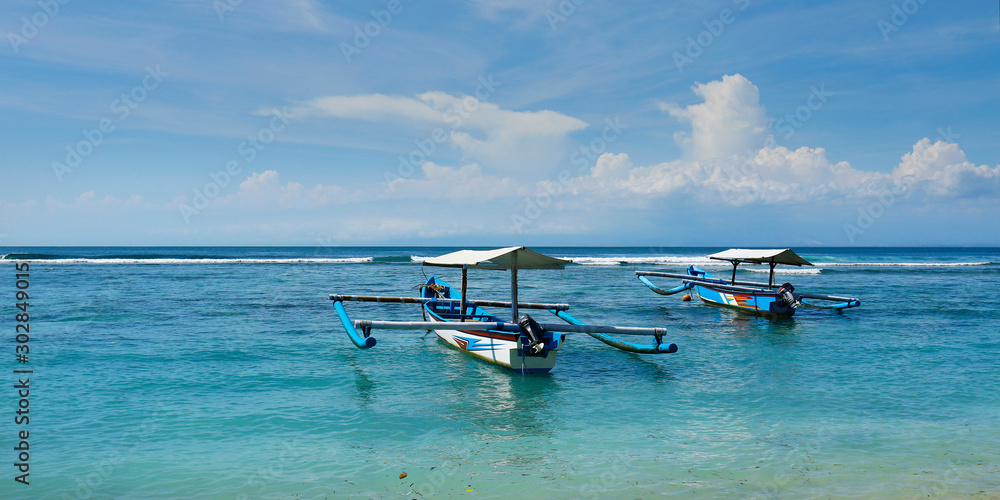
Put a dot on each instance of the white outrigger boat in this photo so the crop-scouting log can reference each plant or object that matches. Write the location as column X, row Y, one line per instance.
column 766, row 299
column 521, row 344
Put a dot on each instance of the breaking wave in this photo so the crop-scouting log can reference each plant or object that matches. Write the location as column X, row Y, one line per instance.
column 653, row 260
column 676, row 261
column 175, row 260
column 785, row 270
column 907, row 264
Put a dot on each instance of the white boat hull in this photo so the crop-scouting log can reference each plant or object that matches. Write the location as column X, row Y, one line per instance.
column 497, row 351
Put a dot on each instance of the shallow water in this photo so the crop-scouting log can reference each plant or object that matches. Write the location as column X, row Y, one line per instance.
column 167, row 373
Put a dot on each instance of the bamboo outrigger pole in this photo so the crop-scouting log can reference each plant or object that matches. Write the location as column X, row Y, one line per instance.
column 422, row 300
column 506, row 327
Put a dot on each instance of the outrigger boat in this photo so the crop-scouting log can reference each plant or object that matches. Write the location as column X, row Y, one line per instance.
column 521, row 344
column 760, row 298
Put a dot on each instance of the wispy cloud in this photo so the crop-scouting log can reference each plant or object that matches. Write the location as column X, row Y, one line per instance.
column 448, row 183
column 516, row 141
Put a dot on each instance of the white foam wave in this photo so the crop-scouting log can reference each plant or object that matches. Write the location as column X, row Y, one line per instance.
column 652, row 259
column 346, row 260
column 906, row 264
column 677, row 260
column 780, row 270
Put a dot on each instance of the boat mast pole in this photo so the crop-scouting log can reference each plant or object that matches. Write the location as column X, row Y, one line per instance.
column 465, row 286
column 513, row 284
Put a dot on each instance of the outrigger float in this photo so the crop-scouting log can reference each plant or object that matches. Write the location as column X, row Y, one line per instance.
column 761, row 298
column 522, row 344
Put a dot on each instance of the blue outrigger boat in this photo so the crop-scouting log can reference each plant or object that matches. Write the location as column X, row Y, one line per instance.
column 766, row 299
column 521, row 344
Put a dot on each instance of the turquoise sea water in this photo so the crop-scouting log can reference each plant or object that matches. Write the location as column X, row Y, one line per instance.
column 224, row 373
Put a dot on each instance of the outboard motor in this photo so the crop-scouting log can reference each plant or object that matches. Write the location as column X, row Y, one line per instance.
column 786, row 297
column 536, row 336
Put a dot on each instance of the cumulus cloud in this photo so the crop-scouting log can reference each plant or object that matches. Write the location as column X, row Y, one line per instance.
column 941, row 169
column 779, row 175
column 493, row 137
column 728, row 163
column 730, row 121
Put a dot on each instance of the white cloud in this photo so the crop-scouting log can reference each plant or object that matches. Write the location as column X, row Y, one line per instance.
column 941, row 169
column 730, row 121
column 779, row 175
column 374, row 108
column 284, row 15
column 442, row 182
column 726, row 166
column 613, row 175
column 265, row 189
column 531, row 10
column 521, row 141
column 90, row 200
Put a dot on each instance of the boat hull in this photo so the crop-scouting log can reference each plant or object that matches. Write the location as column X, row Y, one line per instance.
column 499, row 352
column 500, row 348
column 763, row 302
column 766, row 304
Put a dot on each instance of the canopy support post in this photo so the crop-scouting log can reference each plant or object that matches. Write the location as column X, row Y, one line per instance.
column 770, row 280
column 513, row 284
column 465, row 287
column 735, row 263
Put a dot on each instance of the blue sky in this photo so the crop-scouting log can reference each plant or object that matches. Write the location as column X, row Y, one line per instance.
column 496, row 122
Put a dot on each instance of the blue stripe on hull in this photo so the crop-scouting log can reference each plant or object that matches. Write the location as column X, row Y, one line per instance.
column 758, row 303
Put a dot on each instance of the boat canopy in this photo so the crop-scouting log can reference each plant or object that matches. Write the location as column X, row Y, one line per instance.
column 499, row 259
column 772, row 256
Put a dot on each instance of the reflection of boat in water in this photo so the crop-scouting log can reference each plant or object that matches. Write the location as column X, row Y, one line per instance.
column 760, row 298
column 521, row 344
column 505, row 408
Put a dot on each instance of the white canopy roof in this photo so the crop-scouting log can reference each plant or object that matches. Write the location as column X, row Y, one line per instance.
column 777, row 256
column 497, row 259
